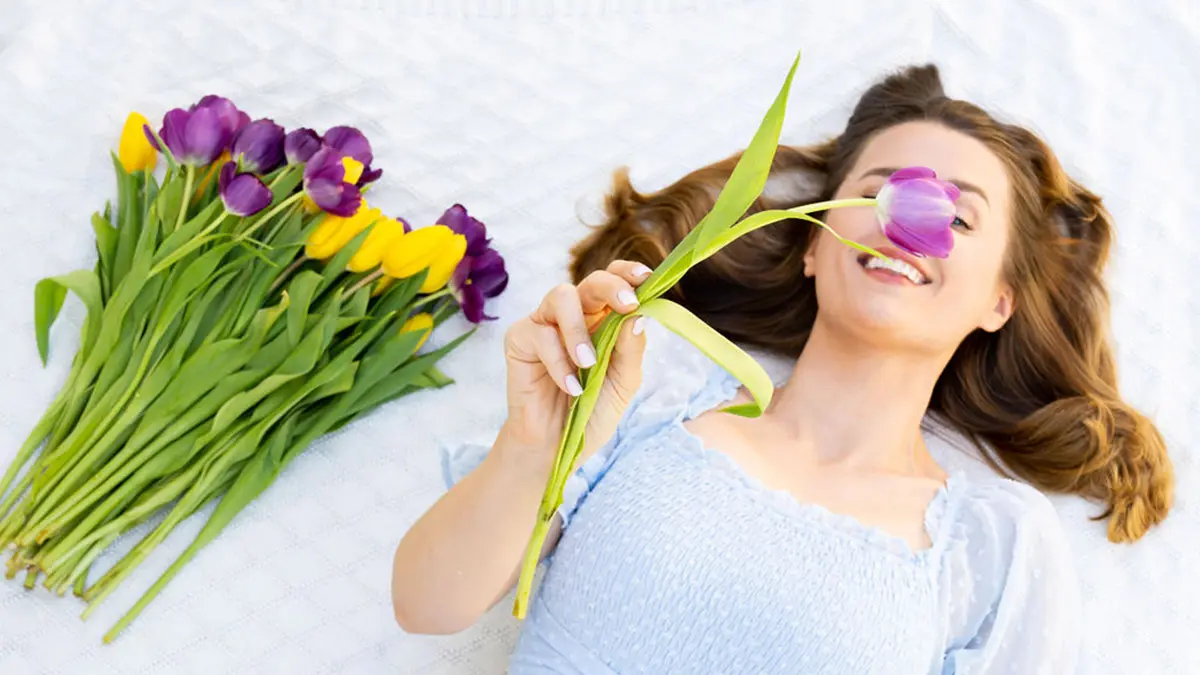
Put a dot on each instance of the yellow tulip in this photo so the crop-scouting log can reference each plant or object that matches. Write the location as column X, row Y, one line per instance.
column 335, row 232
column 382, row 285
column 385, row 235
column 437, row 248
column 443, row 266
column 354, row 170
column 134, row 151
column 423, row 322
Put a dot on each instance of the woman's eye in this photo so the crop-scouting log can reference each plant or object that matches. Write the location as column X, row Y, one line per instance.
column 959, row 222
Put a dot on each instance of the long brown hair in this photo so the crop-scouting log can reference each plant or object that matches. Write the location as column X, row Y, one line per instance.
column 1039, row 397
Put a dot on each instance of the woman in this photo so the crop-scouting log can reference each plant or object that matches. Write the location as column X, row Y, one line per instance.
column 821, row 537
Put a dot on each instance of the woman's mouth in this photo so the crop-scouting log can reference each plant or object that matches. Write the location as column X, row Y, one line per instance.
column 892, row 268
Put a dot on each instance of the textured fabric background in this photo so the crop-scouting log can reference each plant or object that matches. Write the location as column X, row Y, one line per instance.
column 521, row 109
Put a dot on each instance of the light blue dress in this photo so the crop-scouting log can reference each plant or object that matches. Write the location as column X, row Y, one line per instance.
column 674, row 560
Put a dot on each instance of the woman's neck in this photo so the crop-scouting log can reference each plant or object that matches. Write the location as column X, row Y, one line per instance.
column 856, row 404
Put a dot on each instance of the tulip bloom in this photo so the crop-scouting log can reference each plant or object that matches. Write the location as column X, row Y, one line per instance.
column 232, row 120
column 437, row 248
column 351, row 142
column 334, row 232
column 385, row 235
column 135, row 151
column 326, row 186
column 477, row 278
column 243, row 194
column 915, row 210
column 199, row 135
column 258, row 147
column 421, row 322
column 300, row 145
column 457, row 219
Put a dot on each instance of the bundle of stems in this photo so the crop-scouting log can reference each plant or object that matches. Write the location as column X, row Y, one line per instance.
column 213, row 353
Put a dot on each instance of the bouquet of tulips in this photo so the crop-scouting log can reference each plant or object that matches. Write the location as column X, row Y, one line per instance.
column 915, row 211
column 239, row 309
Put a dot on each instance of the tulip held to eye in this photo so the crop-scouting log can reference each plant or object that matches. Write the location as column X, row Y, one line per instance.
column 915, row 210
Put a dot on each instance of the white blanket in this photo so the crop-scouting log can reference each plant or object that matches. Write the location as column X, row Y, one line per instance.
column 520, row 109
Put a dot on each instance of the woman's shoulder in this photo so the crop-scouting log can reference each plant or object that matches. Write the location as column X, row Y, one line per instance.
column 1001, row 523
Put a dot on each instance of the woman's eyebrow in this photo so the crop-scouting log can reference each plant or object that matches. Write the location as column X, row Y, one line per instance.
column 963, row 185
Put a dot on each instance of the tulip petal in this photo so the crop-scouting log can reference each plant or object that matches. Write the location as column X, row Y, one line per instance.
column 350, row 142
column 916, row 210
column 173, row 128
column 488, row 273
column 259, row 146
column 457, row 219
column 204, row 137
column 134, row 151
column 244, row 194
column 370, row 176
column 911, row 172
column 300, row 145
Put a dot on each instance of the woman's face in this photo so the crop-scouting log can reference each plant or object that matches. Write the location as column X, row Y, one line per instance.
column 950, row 297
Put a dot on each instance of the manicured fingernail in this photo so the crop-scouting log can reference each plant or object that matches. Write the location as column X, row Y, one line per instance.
column 587, row 355
column 573, row 387
column 627, row 298
column 639, row 325
column 640, row 270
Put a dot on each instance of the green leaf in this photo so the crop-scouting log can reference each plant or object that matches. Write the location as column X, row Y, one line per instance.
column 129, row 222
column 301, row 292
column 743, row 187
column 106, row 251
column 337, row 264
column 48, row 297
column 718, row 348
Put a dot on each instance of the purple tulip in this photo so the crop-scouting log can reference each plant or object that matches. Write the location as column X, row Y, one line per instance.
column 477, row 278
column 243, row 194
column 231, row 118
column 352, row 143
column 404, row 224
column 196, row 138
column 259, row 146
column 301, row 144
column 915, row 210
column 200, row 134
column 325, row 184
column 457, row 219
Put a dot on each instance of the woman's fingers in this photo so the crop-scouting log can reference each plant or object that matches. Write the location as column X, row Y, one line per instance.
column 562, row 308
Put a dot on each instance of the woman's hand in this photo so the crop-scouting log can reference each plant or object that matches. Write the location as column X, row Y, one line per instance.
column 544, row 350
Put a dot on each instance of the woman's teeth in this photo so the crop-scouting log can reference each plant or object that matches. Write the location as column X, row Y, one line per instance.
column 899, row 267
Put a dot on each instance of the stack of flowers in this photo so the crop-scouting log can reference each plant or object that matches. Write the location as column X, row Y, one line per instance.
column 245, row 306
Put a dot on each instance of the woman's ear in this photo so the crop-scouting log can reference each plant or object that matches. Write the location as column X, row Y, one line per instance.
column 1001, row 312
column 810, row 258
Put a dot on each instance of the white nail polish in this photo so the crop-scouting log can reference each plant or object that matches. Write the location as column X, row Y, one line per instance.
column 627, row 298
column 640, row 270
column 573, row 386
column 639, row 325
column 587, row 356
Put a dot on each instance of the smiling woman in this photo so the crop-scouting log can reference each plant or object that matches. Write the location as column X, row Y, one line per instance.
column 820, row 536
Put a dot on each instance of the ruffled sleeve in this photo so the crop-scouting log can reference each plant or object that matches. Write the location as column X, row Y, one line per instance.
column 1015, row 604
column 676, row 378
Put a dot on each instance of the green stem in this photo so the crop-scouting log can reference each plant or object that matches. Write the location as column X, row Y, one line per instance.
column 270, row 214
column 187, row 194
column 370, row 278
column 430, row 298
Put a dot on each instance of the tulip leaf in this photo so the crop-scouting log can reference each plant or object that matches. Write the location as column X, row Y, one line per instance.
column 129, row 222
column 720, row 349
column 743, row 187
column 337, row 264
column 301, row 292
column 106, row 251
column 48, row 297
